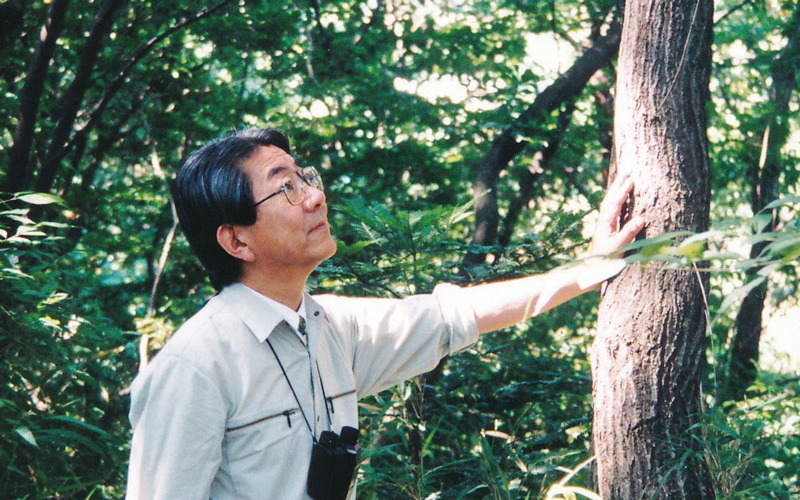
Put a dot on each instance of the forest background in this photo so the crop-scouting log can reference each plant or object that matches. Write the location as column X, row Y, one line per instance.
column 400, row 104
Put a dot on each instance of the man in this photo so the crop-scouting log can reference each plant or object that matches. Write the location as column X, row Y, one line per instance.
column 235, row 402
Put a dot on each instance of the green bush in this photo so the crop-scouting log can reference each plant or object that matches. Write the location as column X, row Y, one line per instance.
column 63, row 430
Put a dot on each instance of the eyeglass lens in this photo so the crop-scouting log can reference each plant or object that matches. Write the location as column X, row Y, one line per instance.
column 295, row 191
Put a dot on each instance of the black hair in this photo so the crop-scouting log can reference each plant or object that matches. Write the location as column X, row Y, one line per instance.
column 210, row 190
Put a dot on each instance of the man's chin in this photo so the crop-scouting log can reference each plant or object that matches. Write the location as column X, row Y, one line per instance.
column 330, row 251
column 333, row 250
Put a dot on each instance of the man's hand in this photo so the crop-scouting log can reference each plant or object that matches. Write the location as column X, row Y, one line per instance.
column 505, row 303
column 608, row 236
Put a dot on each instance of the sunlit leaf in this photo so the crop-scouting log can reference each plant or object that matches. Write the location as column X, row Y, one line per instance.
column 27, row 435
column 785, row 200
column 40, row 199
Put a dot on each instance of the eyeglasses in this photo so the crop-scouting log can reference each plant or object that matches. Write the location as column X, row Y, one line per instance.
column 295, row 191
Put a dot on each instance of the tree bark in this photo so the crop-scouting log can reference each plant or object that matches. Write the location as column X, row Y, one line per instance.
column 18, row 177
column 73, row 97
column 505, row 147
column 743, row 365
column 651, row 323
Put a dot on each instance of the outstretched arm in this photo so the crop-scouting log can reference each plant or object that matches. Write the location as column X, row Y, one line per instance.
column 505, row 303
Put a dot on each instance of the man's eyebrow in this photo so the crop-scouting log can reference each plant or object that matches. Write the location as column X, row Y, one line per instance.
column 277, row 170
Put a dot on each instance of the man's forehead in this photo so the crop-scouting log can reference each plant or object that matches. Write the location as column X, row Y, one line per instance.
column 269, row 162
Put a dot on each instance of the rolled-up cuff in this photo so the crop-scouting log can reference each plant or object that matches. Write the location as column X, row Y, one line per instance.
column 459, row 314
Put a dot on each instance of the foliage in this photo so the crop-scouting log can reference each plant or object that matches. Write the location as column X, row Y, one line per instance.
column 504, row 415
column 62, row 405
column 749, row 445
column 396, row 101
column 752, row 444
column 522, row 428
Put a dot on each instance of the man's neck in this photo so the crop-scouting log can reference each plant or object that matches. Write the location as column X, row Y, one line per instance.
column 285, row 290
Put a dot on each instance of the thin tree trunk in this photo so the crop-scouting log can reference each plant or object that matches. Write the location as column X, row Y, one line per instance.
column 71, row 101
column 505, row 147
column 743, row 365
column 18, row 177
column 166, row 247
column 651, row 323
column 527, row 180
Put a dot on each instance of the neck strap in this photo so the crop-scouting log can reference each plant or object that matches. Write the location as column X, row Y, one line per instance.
column 299, row 405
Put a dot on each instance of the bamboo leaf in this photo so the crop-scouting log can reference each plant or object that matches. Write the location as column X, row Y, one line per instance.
column 40, row 199
column 27, row 435
column 786, row 200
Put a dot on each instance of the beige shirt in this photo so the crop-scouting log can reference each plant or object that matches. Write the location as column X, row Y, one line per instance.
column 288, row 315
column 214, row 417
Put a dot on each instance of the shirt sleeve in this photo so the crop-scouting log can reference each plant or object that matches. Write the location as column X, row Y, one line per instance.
column 394, row 340
column 178, row 418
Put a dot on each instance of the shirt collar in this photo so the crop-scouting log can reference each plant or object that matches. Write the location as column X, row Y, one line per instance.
column 260, row 313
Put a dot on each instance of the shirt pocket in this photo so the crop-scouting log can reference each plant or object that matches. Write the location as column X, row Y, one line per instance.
column 342, row 407
column 262, row 434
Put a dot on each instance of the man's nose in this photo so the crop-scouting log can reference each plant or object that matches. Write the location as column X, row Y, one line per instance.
column 313, row 197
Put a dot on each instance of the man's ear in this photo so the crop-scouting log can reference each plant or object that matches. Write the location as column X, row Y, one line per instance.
column 228, row 239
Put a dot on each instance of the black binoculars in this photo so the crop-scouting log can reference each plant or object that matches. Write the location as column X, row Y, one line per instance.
column 334, row 459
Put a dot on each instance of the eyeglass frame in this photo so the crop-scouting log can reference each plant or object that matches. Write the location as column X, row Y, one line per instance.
column 309, row 175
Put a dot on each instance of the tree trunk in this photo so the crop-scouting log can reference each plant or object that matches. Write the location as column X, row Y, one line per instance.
column 743, row 365
column 70, row 102
column 506, row 146
column 651, row 324
column 527, row 180
column 18, row 177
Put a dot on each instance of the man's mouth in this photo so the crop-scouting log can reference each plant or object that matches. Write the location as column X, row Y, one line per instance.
column 321, row 225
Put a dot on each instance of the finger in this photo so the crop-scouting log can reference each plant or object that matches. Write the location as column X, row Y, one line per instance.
column 620, row 189
column 611, row 206
column 630, row 230
column 615, row 240
column 620, row 178
column 618, row 182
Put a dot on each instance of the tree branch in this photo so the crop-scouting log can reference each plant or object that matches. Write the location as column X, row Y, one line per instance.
column 326, row 41
column 529, row 176
column 505, row 147
column 18, row 176
column 59, row 146
column 116, row 85
column 733, row 9
column 73, row 97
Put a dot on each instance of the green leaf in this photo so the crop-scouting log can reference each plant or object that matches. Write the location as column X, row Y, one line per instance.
column 80, row 423
column 734, row 296
column 786, row 200
column 692, row 250
column 761, row 222
column 345, row 250
column 40, row 199
column 27, row 435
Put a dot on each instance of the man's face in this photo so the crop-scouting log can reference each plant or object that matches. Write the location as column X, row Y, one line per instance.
column 284, row 236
